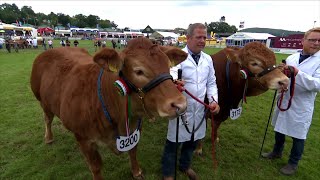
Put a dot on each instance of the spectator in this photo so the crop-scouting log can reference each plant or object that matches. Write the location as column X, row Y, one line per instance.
column 35, row 43
column 62, row 43
column 68, row 43
column 50, row 43
column 44, row 44
column 15, row 45
column 104, row 44
column 75, row 43
column 114, row 44
column 8, row 45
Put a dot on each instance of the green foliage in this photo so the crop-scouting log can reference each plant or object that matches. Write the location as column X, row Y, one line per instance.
column 24, row 155
column 221, row 27
column 10, row 13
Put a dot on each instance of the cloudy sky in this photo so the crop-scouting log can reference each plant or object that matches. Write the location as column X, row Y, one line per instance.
column 290, row 15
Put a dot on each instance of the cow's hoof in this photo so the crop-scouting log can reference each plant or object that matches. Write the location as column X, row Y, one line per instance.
column 49, row 141
column 139, row 176
column 198, row 152
column 153, row 119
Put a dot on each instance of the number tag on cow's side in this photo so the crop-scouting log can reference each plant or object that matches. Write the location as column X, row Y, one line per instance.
column 126, row 143
column 235, row 113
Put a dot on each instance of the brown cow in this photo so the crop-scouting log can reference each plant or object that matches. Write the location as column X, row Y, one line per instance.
column 64, row 80
column 255, row 58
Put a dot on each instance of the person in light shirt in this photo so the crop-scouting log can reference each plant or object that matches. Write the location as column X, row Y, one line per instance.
column 198, row 77
column 295, row 122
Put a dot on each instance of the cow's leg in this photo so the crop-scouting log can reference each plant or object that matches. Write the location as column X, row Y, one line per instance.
column 48, row 117
column 90, row 150
column 135, row 168
column 199, row 149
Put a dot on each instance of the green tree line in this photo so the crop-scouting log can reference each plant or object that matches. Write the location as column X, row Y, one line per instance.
column 10, row 13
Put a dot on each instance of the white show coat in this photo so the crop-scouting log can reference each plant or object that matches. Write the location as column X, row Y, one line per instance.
column 295, row 122
column 199, row 80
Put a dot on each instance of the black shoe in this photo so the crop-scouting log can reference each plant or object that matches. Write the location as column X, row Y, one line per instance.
column 271, row 155
column 289, row 169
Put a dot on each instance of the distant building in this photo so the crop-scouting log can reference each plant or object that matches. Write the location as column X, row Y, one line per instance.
column 292, row 41
column 240, row 39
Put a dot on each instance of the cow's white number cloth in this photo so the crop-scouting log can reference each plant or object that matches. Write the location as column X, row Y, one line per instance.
column 235, row 113
column 126, row 143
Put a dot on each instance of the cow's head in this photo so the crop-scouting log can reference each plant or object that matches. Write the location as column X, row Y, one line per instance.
column 260, row 63
column 141, row 63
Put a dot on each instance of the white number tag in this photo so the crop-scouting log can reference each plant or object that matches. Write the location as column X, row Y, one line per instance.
column 235, row 113
column 126, row 143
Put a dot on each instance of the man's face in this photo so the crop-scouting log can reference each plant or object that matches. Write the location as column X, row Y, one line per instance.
column 197, row 41
column 311, row 44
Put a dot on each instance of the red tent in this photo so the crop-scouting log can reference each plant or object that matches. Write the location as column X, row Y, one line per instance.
column 46, row 29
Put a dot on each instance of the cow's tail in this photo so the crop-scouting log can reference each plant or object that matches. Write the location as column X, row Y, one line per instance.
column 35, row 79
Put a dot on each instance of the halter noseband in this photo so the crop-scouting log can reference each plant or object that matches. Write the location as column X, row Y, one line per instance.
column 264, row 72
column 153, row 83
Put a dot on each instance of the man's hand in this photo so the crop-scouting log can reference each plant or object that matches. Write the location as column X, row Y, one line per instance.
column 287, row 71
column 214, row 107
column 180, row 82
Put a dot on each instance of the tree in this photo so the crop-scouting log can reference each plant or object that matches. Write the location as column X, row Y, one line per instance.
column 80, row 20
column 221, row 27
column 63, row 19
column 92, row 21
column 26, row 13
column 53, row 19
column 9, row 13
column 104, row 24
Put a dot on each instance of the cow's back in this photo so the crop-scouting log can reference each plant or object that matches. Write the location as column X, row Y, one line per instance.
column 50, row 72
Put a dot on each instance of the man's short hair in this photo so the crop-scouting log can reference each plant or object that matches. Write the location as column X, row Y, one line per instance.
column 192, row 27
column 316, row 29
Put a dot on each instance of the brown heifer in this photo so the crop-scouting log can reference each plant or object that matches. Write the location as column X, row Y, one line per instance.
column 64, row 80
column 255, row 58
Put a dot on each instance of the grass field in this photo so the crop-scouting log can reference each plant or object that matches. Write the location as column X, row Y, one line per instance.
column 24, row 155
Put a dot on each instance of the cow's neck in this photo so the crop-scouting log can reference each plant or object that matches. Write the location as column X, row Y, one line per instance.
column 116, row 104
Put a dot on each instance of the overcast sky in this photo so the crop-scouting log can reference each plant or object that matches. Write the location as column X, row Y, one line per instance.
column 289, row 15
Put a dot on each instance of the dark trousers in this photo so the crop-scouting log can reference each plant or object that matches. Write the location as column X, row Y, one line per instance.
column 296, row 150
column 169, row 156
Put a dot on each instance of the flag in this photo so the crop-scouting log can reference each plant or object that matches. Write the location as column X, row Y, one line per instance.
column 241, row 24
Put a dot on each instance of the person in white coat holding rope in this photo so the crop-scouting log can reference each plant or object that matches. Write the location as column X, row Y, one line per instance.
column 198, row 77
column 295, row 121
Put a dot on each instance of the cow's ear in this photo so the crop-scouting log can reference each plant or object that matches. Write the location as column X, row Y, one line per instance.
column 233, row 54
column 176, row 55
column 108, row 59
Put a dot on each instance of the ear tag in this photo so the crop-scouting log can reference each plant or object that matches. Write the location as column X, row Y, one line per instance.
column 112, row 68
column 244, row 74
column 122, row 88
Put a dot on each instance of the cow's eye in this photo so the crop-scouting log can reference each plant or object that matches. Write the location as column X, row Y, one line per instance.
column 254, row 64
column 139, row 72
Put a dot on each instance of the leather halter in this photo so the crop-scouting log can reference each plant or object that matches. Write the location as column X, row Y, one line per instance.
column 264, row 72
column 153, row 83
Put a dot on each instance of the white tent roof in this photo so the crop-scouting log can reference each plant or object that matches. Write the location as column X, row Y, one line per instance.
column 247, row 35
column 167, row 34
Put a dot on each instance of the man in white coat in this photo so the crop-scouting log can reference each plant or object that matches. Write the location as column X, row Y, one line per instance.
column 295, row 122
column 198, row 77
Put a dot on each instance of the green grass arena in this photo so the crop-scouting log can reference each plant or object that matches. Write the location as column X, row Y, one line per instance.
column 24, row 155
